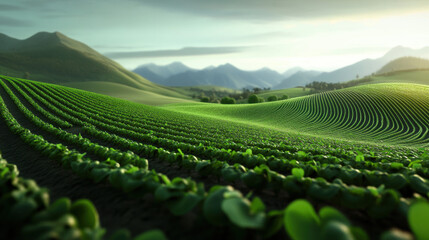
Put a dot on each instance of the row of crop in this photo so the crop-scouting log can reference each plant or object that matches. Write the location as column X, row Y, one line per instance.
column 52, row 118
column 26, row 213
column 312, row 164
column 73, row 139
column 46, row 101
column 378, row 202
column 351, row 111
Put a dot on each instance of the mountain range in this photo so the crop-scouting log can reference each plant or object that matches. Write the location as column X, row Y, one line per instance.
column 229, row 76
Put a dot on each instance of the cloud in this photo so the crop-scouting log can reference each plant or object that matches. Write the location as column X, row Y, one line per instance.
column 288, row 9
column 187, row 51
column 7, row 7
column 11, row 22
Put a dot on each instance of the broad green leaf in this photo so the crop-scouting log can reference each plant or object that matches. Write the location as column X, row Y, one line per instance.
column 249, row 152
column 152, row 235
column 418, row 219
column 336, row 230
column 328, row 214
column 257, row 206
column 85, row 213
column 359, row 233
column 212, row 208
column 238, row 211
column 22, row 210
column 301, row 221
column 298, row 172
column 360, row 157
column 54, row 211
column 184, row 204
column 301, row 154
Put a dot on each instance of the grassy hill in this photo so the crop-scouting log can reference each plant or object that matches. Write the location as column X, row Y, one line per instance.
column 125, row 92
column 383, row 113
column 412, row 76
column 55, row 58
column 404, row 63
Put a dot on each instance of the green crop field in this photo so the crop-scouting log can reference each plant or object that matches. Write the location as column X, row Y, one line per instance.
column 379, row 113
column 346, row 164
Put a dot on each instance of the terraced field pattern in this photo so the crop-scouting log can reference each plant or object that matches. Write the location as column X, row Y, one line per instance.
column 346, row 164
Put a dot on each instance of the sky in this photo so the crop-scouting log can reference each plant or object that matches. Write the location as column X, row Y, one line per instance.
column 250, row 34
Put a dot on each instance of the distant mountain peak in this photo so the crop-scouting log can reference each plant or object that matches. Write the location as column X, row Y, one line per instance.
column 397, row 51
column 40, row 36
column 227, row 66
column 177, row 64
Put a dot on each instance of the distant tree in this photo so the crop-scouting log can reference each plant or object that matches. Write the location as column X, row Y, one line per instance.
column 26, row 75
column 357, row 76
column 256, row 90
column 272, row 98
column 261, row 99
column 253, row 98
column 205, row 99
column 284, row 97
column 227, row 100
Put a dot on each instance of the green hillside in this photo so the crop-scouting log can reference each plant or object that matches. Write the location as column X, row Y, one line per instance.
column 413, row 76
column 381, row 113
column 404, row 63
column 205, row 171
column 55, row 58
column 126, row 92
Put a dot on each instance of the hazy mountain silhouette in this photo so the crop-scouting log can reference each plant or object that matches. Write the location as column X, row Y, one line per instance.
column 359, row 69
column 292, row 71
column 225, row 75
column 158, row 74
column 370, row 66
column 298, row 79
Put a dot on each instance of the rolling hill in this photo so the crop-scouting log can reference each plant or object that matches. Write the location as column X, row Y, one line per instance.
column 395, row 113
column 413, row 76
column 405, row 63
column 55, row 58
